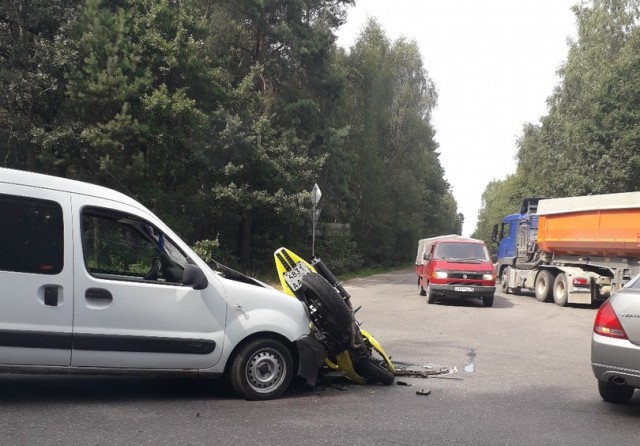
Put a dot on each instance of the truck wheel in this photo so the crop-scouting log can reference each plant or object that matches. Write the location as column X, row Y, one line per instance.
column 430, row 297
column 561, row 290
column 421, row 289
column 261, row 370
column 544, row 286
column 504, row 281
column 487, row 301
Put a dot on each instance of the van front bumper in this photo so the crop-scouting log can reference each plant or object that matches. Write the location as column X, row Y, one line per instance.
column 462, row 290
column 311, row 354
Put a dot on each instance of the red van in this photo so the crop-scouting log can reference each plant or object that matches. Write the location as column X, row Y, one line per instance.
column 455, row 266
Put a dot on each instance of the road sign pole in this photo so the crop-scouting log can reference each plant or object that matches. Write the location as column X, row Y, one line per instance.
column 315, row 198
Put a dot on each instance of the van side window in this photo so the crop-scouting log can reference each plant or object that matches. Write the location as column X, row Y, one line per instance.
column 31, row 235
column 120, row 246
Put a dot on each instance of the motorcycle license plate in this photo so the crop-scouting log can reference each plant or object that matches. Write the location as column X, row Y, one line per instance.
column 463, row 289
column 294, row 276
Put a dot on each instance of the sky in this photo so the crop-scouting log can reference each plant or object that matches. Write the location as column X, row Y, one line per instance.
column 494, row 64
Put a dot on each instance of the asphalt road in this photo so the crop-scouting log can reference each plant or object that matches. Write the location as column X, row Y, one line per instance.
column 522, row 377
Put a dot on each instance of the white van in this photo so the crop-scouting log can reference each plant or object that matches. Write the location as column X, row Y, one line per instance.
column 93, row 282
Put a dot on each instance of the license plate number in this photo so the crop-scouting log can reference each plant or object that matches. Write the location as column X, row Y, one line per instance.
column 294, row 276
column 463, row 289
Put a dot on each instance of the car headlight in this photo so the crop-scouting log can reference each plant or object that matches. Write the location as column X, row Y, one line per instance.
column 440, row 275
column 487, row 276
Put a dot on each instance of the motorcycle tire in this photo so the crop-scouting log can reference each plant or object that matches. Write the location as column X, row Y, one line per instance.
column 374, row 371
column 370, row 364
column 328, row 311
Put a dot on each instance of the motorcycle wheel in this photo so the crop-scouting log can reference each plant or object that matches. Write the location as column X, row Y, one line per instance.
column 370, row 364
column 374, row 371
column 328, row 311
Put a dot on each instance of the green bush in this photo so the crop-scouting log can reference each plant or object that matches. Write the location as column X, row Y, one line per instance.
column 340, row 253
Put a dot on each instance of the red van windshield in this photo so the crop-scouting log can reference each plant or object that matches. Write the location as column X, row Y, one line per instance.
column 461, row 251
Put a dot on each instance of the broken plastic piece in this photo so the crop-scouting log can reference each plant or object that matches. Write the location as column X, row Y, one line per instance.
column 423, row 392
column 422, row 373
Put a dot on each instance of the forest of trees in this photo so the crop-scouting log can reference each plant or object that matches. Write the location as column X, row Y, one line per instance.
column 220, row 115
column 589, row 142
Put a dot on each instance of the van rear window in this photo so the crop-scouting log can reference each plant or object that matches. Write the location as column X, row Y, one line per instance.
column 31, row 235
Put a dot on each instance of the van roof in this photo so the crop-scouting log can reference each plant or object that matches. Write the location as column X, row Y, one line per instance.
column 32, row 179
column 450, row 237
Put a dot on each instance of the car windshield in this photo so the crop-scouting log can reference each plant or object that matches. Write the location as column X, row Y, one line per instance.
column 461, row 251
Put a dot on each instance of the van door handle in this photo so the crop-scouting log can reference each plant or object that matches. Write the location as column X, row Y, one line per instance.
column 98, row 293
column 51, row 296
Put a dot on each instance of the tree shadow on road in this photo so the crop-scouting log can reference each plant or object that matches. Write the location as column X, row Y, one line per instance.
column 36, row 389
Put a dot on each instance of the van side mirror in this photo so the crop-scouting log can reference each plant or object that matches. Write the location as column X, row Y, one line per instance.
column 194, row 277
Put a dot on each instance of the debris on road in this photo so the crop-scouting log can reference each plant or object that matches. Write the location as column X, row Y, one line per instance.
column 423, row 392
column 415, row 371
column 402, row 383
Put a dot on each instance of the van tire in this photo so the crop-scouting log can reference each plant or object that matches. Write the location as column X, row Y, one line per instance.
column 262, row 369
column 430, row 296
column 487, row 301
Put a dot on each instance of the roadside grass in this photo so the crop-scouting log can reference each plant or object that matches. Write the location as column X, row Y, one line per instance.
column 365, row 272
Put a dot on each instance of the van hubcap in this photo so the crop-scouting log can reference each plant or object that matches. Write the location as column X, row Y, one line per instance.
column 265, row 370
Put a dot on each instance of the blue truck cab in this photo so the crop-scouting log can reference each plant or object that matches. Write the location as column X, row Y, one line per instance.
column 516, row 236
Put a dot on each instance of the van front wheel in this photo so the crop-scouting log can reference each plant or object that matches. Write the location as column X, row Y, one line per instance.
column 261, row 370
column 430, row 297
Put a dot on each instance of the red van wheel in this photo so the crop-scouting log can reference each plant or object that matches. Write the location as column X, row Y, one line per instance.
column 430, row 297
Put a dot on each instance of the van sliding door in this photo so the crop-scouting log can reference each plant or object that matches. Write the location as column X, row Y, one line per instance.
column 36, row 273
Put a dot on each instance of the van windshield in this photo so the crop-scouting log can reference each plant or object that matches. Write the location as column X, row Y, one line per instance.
column 461, row 251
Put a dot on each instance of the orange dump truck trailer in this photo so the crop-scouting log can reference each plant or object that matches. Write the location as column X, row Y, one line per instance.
column 571, row 250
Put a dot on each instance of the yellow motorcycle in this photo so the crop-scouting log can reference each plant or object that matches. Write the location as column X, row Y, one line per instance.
column 350, row 349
